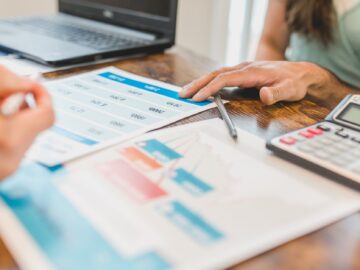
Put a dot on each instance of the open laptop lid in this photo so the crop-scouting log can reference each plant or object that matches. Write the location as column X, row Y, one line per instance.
column 157, row 16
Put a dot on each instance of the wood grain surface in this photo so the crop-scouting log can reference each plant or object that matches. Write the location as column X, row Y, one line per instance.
column 334, row 247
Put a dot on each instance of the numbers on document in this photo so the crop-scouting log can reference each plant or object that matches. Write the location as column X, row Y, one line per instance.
column 135, row 93
column 80, row 86
column 98, row 81
column 99, row 103
column 77, row 109
column 64, row 91
column 95, row 131
column 156, row 110
column 117, row 98
column 116, row 123
column 173, row 104
column 137, row 116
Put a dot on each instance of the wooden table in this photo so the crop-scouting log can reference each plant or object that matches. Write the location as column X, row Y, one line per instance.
column 334, row 247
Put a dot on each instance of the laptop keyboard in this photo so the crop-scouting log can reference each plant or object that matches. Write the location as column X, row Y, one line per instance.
column 78, row 34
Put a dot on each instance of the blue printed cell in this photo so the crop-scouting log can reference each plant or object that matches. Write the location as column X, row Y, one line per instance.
column 190, row 182
column 73, row 136
column 66, row 238
column 150, row 88
column 159, row 151
column 191, row 223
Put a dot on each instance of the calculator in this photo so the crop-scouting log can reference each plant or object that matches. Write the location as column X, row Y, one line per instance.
column 330, row 148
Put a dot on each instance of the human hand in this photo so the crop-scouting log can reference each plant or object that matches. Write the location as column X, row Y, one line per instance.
column 276, row 80
column 19, row 130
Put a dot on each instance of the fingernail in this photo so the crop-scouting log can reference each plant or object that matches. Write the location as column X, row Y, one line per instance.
column 270, row 96
column 182, row 92
column 198, row 97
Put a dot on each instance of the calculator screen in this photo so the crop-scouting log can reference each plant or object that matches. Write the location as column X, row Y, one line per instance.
column 351, row 114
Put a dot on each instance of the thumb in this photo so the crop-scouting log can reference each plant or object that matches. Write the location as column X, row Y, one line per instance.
column 278, row 92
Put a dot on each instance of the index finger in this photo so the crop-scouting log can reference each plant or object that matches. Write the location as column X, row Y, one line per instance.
column 254, row 77
column 190, row 89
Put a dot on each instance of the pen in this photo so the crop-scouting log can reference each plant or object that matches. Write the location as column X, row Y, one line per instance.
column 225, row 116
column 13, row 104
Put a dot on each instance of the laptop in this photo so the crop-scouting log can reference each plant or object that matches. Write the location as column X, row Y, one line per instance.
column 88, row 30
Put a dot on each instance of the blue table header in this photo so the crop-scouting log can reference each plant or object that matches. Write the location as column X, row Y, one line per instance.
column 150, row 88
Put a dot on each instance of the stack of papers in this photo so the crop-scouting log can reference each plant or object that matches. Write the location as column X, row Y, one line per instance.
column 181, row 198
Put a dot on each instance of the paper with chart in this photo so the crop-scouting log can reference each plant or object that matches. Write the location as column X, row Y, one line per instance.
column 183, row 198
column 107, row 106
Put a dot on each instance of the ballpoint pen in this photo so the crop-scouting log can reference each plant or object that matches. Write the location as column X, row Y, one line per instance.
column 225, row 116
column 14, row 103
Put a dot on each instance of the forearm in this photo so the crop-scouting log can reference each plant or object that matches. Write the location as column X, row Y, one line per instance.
column 269, row 52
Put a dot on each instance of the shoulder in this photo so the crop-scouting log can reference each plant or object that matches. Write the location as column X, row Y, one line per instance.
column 344, row 6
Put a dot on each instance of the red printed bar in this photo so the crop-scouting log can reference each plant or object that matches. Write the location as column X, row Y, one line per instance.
column 140, row 159
column 131, row 181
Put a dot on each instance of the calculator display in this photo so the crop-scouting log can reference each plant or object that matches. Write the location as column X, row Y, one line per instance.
column 351, row 114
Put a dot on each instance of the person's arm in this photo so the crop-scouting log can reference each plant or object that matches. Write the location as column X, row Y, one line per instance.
column 275, row 36
column 18, row 131
column 276, row 80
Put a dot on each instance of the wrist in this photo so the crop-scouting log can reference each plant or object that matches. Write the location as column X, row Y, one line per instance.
column 320, row 78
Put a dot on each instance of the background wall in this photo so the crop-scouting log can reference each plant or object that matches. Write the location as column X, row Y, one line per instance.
column 203, row 26
column 26, row 7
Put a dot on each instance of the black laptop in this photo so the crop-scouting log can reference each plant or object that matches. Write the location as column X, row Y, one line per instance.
column 88, row 30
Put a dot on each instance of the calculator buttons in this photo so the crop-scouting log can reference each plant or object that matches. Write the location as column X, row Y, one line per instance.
column 340, row 162
column 356, row 152
column 325, row 141
column 333, row 151
column 315, row 131
column 322, row 154
column 315, row 144
column 324, row 128
column 326, row 144
column 342, row 134
column 288, row 140
column 351, row 157
column 306, row 148
column 341, row 147
column 299, row 138
column 334, row 138
column 351, row 143
column 306, row 134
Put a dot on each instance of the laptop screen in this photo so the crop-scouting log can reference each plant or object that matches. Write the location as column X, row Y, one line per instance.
column 160, row 8
column 149, row 15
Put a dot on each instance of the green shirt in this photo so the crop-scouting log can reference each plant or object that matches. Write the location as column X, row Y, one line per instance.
column 342, row 56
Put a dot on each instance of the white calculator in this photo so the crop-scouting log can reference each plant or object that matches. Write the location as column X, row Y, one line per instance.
column 330, row 148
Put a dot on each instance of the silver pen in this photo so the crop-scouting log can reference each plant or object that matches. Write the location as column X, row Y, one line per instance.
column 225, row 116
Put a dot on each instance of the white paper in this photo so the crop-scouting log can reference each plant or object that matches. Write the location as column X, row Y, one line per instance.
column 23, row 67
column 248, row 200
column 259, row 201
column 100, row 108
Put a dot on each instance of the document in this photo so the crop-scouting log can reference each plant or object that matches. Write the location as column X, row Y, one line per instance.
column 183, row 198
column 21, row 66
column 104, row 107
